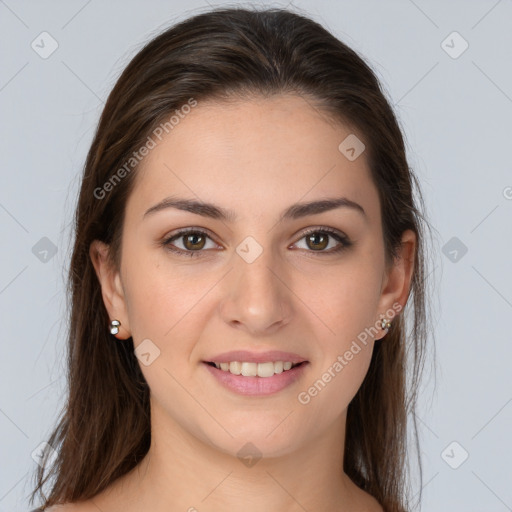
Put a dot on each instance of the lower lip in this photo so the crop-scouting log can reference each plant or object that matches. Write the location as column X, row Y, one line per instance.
column 257, row 386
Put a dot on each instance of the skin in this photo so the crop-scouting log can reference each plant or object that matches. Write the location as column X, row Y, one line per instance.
column 256, row 157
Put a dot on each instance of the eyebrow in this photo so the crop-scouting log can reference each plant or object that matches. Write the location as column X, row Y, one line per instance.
column 295, row 211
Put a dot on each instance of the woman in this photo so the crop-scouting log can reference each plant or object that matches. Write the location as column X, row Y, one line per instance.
column 246, row 244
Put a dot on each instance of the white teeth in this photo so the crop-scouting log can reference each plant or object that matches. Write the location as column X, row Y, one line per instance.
column 249, row 369
column 265, row 369
column 235, row 368
column 254, row 369
column 278, row 367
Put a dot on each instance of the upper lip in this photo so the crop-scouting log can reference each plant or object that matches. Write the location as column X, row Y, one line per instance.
column 256, row 357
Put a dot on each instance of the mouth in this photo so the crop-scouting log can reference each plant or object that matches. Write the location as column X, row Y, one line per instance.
column 261, row 370
column 256, row 379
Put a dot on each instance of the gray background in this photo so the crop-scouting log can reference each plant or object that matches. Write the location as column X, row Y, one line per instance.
column 456, row 112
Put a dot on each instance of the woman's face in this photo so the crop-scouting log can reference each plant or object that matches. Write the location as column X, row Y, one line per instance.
column 253, row 281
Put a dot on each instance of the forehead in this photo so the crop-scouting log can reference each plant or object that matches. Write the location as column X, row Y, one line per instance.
column 262, row 153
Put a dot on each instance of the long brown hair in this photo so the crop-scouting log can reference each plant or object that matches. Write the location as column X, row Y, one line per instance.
column 104, row 429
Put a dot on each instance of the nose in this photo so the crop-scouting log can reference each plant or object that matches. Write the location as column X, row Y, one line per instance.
column 256, row 298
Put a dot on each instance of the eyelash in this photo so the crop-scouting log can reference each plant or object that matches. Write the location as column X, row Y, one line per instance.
column 345, row 243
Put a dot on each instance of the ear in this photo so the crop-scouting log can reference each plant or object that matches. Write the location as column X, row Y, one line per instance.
column 397, row 280
column 111, row 287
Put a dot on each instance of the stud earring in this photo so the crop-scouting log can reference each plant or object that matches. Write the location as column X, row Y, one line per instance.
column 385, row 324
column 114, row 326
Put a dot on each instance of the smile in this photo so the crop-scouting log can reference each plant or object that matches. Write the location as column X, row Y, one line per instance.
column 256, row 379
column 255, row 369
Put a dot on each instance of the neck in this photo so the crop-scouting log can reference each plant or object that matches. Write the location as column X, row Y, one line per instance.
column 181, row 471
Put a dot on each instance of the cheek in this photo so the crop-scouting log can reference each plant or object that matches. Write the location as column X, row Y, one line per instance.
column 345, row 301
column 162, row 300
column 330, row 392
column 342, row 366
column 347, row 310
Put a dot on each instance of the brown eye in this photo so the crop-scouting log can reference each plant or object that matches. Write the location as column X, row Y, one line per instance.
column 324, row 241
column 189, row 242
column 317, row 240
column 194, row 241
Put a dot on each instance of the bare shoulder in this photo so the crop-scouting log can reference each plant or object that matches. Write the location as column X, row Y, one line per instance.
column 104, row 500
column 80, row 506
